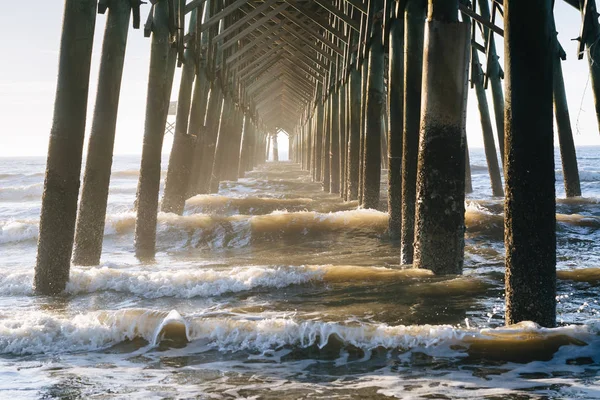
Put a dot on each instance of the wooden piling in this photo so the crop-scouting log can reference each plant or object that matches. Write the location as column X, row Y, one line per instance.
column 440, row 209
column 375, row 105
column 89, row 231
column 354, row 101
column 309, row 144
column 326, row 172
column 591, row 37
column 275, row 147
column 232, row 163
column 334, row 143
column 318, row 139
column 246, row 146
column 495, row 76
column 343, row 139
column 63, row 165
column 206, row 153
column 565, row 134
column 395, row 124
column 183, row 143
column 162, row 65
column 530, row 205
column 468, row 178
column 363, row 128
column 223, row 138
column 414, row 25
column 486, row 125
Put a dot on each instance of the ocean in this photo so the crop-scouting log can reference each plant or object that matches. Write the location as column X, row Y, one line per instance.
column 272, row 289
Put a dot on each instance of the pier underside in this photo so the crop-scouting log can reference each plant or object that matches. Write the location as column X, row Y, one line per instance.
column 372, row 98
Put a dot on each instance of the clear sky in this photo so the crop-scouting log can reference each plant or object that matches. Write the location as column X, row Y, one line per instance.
column 30, row 33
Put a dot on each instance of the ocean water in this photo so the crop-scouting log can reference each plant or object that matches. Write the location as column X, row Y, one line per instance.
column 273, row 289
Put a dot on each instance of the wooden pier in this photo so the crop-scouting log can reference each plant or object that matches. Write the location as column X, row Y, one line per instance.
column 357, row 85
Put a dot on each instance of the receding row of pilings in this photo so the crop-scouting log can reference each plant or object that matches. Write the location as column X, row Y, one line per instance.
column 215, row 138
column 428, row 74
column 339, row 139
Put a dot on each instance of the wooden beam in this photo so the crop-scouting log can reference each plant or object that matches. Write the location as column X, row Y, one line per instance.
column 222, row 14
column 467, row 11
column 319, row 21
column 339, row 14
column 249, row 16
column 251, row 28
column 192, row 5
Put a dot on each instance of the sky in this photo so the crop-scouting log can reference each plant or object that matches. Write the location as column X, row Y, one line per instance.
column 30, row 32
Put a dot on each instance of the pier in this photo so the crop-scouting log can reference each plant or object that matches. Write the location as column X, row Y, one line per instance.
column 359, row 86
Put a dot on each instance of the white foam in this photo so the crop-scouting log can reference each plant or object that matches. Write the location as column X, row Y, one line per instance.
column 13, row 231
column 37, row 332
column 40, row 332
column 186, row 283
column 21, row 193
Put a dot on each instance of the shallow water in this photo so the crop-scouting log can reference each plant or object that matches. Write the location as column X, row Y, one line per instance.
column 273, row 289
